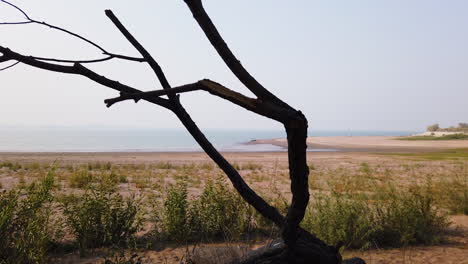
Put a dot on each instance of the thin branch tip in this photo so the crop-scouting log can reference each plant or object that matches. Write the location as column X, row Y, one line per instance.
column 10, row 66
column 17, row 8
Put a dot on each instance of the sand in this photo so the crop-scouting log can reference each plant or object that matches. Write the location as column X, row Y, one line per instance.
column 370, row 143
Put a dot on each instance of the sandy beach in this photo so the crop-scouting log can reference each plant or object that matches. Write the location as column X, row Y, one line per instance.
column 370, row 143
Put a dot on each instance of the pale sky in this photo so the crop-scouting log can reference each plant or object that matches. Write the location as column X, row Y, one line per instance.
column 348, row 65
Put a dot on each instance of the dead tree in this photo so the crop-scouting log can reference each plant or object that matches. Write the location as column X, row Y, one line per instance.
column 296, row 245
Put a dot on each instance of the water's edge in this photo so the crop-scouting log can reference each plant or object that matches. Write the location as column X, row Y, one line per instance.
column 146, row 140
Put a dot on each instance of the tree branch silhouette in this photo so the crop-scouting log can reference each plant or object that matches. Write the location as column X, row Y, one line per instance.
column 104, row 51
column 298, row 245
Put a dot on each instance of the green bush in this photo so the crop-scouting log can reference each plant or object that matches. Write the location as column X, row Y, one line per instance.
column 175, row 213
column 219, row 213
column 101, row 217
column 338, row 217
column 25, row 222
column 389, row 218
column 407, row 217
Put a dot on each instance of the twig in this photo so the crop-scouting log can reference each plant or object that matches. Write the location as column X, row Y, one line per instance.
column 123, row 57
column 7, row 67
column 16, row 23
column 104, row 51
column 17, row 8
column 73, row 61
column 70, row 33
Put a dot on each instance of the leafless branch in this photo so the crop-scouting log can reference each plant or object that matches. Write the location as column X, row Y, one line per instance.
column 200, row 15
column 151, row 94
column 151, row 61
column 7, row 67
column 17, row 8
column 78, row 69
column 70, row 33
column 104, row 51
column 73, row 61
column 123, row 57
column 16, row 23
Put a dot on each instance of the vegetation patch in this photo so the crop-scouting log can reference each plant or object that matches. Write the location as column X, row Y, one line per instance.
column 26, row 231
column 386, row 218
column 101, row 217
column 218, row 214
column 363, row 204
column 454, row 154
column 459, row 136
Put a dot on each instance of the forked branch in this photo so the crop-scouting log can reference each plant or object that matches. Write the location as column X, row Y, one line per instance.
column 146, row 55
column 77, row 69
column 200, row 15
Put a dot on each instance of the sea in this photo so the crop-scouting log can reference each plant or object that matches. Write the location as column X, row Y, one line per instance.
column 149, row 140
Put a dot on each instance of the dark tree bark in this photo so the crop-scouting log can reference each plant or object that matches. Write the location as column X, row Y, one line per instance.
column 296, row 245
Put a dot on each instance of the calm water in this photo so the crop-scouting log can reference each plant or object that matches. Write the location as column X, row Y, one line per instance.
column 84, row 140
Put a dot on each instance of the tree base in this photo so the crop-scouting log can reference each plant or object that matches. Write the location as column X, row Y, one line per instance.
column 307, row 250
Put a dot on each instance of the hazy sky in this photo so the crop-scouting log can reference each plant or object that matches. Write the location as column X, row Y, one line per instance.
column 348, row 65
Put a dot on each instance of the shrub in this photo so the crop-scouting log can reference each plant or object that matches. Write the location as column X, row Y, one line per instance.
column 407, row 217
column 112, row 178
column 389, row 218
column 80, row 178
column 339, row 218
column 220, row 213
column 101, row 217
column 175, row 213
column 25, row 223
column 453, row 194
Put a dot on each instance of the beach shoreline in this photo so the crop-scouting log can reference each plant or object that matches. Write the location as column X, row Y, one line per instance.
column 369, row 144
column 318, row 147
